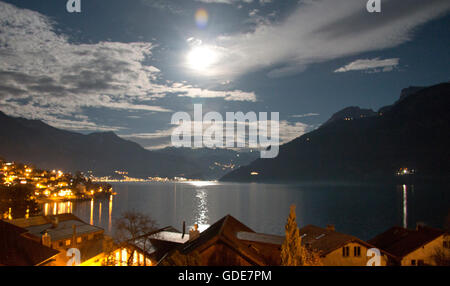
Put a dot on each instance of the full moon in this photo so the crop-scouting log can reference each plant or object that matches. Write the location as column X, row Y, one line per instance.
column 201, row 58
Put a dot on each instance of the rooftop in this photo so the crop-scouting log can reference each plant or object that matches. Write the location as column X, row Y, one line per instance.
column 171, row 236
column 39, row 220
column 17, row 250
column 63, row 230
column 326, row 240
column 261, row 237
column 237, row 236
column 400, row 241
column 38, row 225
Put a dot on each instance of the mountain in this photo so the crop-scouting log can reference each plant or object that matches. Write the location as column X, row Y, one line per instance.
column 212, row 163
column 34, row 142
column 350, row 113
column 404, row 94
column 413, row 133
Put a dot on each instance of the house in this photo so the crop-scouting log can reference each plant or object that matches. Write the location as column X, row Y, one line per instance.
column 63, row 232
column 145, row 250
column 228, row 242
column 413, row 247
column 16, row 249
column 165, row 240
column 339, row 249
column 122, row 255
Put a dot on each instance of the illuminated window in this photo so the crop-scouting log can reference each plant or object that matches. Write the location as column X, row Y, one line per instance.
column 118, row 258
column 124, row 257
column 68, row 242
column 135, row 258
column 79, row 239
column 357, row 251
column 345, row 251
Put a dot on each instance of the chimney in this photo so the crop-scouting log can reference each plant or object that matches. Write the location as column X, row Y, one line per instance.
column 331, row 227
column 184, row 229
column 420, row 226
column 55, row 222
column 194, row 233
column 46, row 240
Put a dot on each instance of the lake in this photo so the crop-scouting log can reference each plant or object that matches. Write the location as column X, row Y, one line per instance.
column 363, row 211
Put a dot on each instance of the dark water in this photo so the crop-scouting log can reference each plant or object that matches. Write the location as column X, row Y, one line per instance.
column 363, row 211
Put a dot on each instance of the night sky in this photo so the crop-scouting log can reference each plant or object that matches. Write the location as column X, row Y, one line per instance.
column 127, row 66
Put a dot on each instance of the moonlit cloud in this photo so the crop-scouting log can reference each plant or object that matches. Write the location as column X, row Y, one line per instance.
column 225, row 1
column 162, row 138
column 195, row 92
column 45, row 76
column 305, row 115
column 319, row 31
column 370, row 65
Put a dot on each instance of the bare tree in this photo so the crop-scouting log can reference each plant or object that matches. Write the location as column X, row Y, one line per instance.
column 131, row 231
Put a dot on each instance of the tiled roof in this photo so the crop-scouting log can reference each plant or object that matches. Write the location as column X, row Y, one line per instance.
column 17, row 250
column 40, row 220
column 225, row 231
column 226, row 227
column 326, row 240
column 38, row 225
column 400, row 241
column 261, row 237
column 63, row 230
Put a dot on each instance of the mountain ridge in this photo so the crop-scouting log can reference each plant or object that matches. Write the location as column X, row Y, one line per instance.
column 413, row 133
column 35, row 142
column 105, row 152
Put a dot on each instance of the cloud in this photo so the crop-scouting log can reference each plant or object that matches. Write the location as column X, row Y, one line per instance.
column 184, row 90
column 319, row 31
column 44, row 75
column 225, row 1
column 163, row 5
column 370, row 65
column 305, row 115
column 162, row 138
